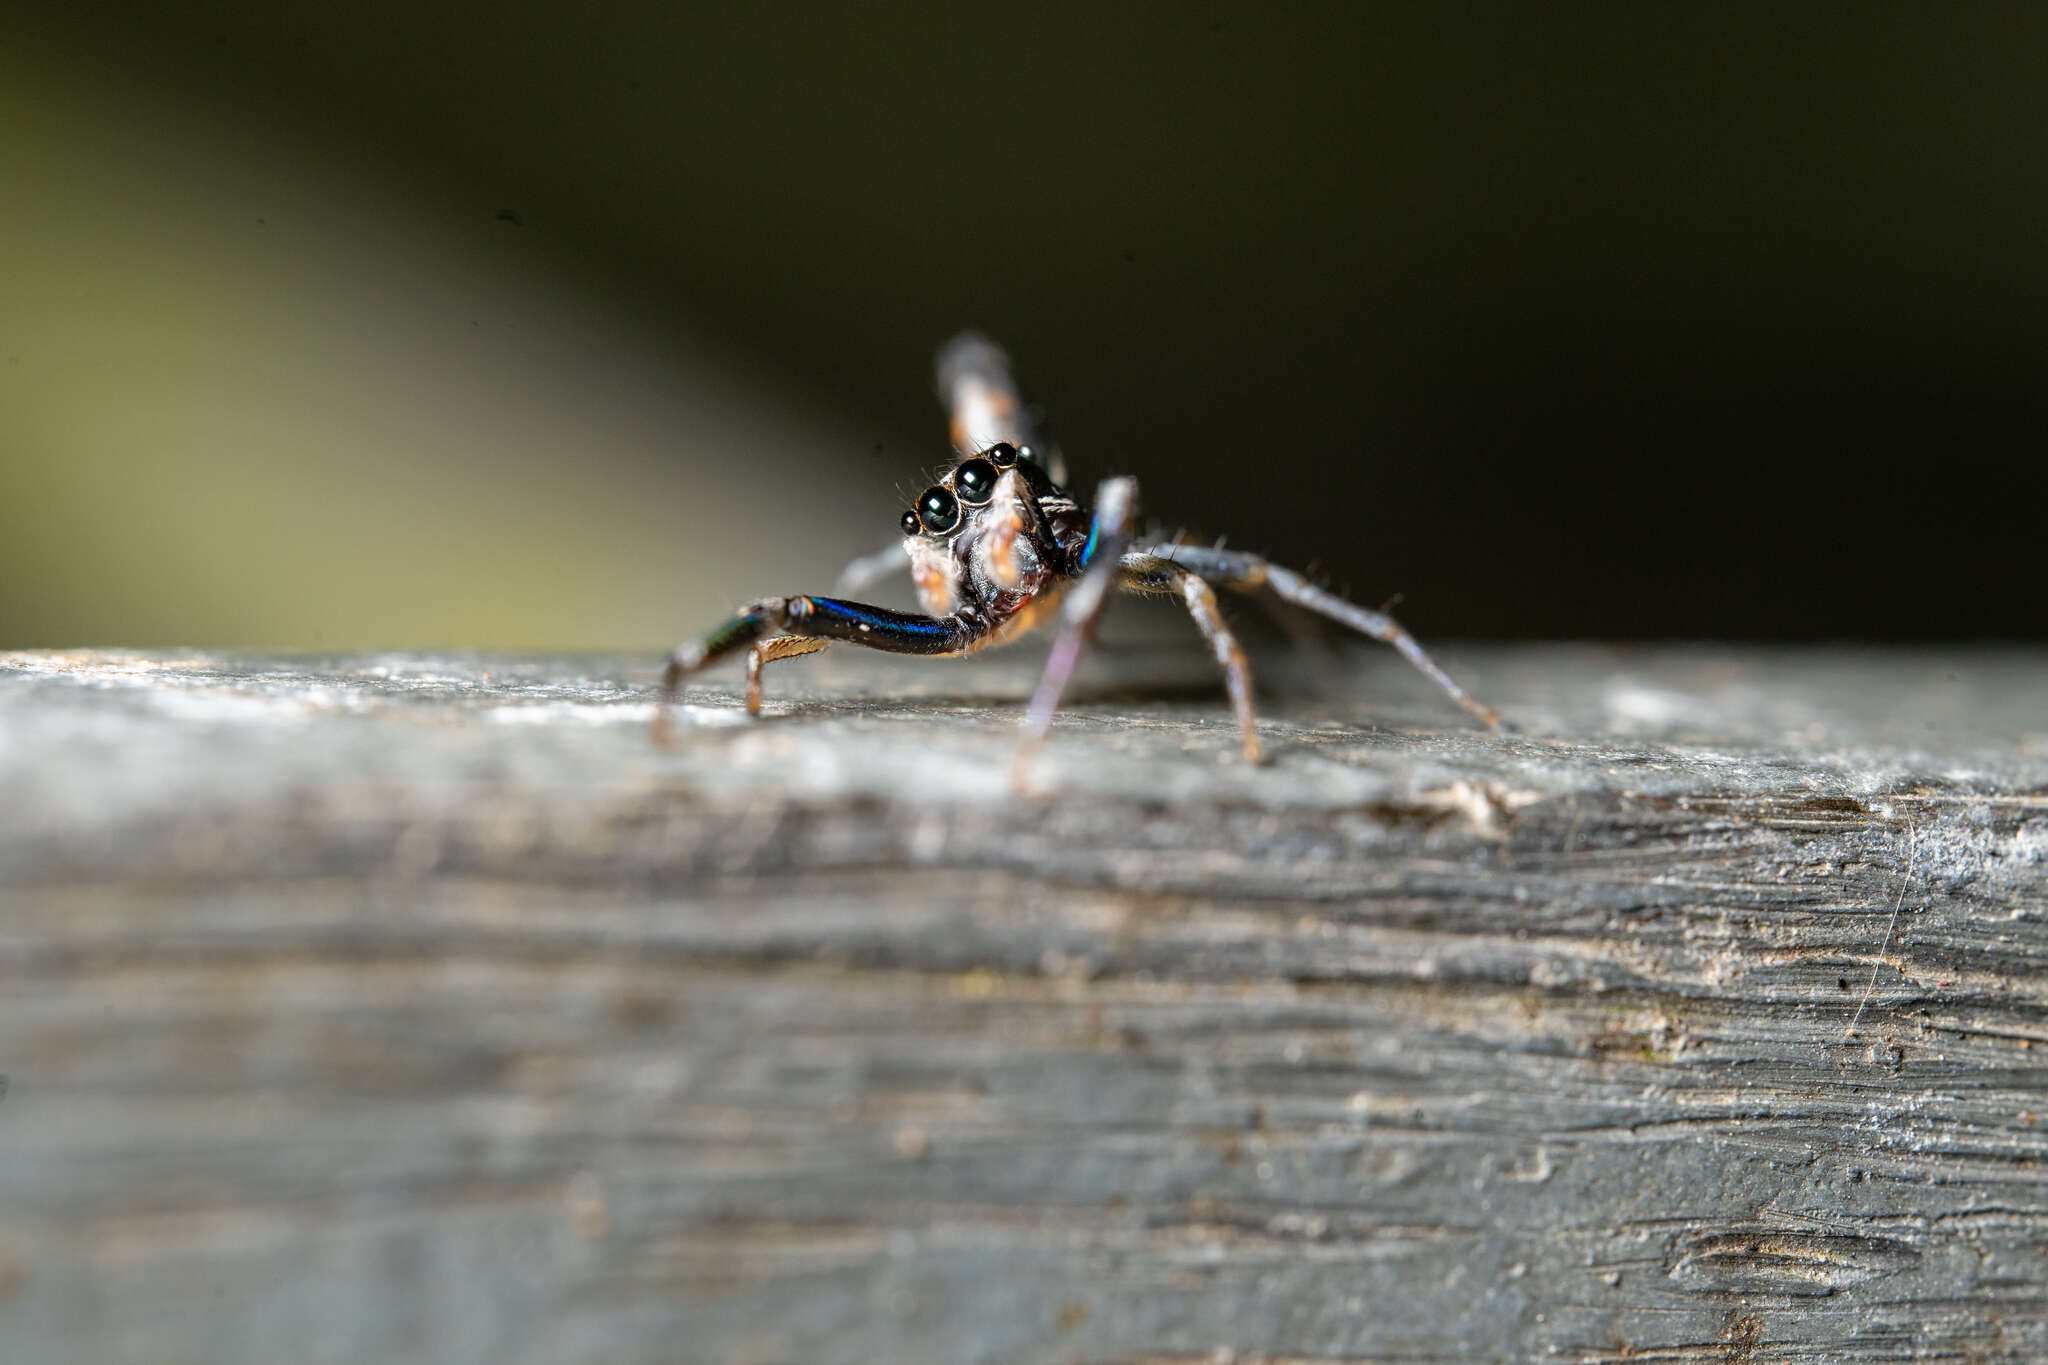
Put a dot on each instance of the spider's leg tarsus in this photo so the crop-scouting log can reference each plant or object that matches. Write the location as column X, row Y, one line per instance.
column 746, row 625
column 1292, row 587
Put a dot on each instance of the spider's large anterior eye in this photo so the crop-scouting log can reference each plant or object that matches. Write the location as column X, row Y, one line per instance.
column 1003, row 454
column 939, row 510
column 909, row 523
column 976, row 480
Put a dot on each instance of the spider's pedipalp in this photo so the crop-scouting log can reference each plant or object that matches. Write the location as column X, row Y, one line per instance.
column 1014, row 515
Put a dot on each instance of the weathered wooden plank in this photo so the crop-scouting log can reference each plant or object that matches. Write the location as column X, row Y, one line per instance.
column 416, row 1009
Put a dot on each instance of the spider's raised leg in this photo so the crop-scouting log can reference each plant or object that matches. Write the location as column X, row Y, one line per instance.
column 1249, row 573
column 1151, row 574
column 1116, row 505
column 807, row 624
column 981, row 398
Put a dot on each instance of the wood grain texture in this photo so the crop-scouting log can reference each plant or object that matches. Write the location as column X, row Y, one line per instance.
column 416, row 1009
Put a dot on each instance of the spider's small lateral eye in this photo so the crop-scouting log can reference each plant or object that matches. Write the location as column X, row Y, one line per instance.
column 1002, row 454
column 976, row 480
column 938, row 509
column 909, row 524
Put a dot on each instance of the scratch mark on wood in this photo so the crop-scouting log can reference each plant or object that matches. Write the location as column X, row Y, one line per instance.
column 1870, row 988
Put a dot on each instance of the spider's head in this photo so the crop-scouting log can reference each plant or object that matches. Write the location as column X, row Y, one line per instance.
column 965, row 496
column 966, row 525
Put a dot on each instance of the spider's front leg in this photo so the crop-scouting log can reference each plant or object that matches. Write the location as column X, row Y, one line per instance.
column 1116, row 508
column 807, row 625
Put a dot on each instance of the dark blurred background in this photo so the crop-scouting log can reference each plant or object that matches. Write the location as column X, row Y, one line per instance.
column 470, row 324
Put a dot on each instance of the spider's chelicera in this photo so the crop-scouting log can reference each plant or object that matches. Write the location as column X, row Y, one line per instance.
column 998, row 546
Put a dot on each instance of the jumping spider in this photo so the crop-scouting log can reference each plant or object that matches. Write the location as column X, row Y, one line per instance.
column 997, row 547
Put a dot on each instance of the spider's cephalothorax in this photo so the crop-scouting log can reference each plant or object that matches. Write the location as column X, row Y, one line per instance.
column 996, row 545
column 994, row 541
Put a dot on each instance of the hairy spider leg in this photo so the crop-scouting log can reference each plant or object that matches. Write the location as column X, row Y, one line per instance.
column 1148, row 573
column 816, row 621
column 1249, row 573
column 767, row 652
column 1116, row 506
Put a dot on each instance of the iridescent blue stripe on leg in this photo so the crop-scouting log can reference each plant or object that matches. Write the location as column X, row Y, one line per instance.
column 895, row 631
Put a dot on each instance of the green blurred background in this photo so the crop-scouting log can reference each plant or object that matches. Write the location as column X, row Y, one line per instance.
column 380, row 325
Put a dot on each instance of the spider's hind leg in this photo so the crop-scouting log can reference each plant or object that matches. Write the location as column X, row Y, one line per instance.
column 1249, row 573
